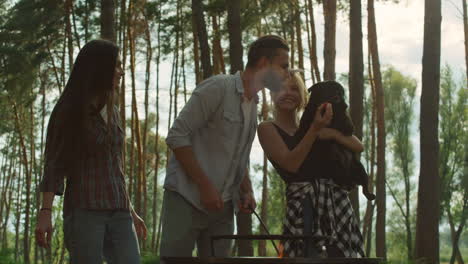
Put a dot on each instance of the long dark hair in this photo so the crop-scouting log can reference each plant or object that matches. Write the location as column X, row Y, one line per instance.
column 331, row 92
column 91, row 80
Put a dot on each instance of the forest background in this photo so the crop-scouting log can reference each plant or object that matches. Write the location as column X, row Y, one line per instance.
column 404, row 70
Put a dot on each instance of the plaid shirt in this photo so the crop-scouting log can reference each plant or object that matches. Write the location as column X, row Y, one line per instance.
column 98, row 182
column 333, row 218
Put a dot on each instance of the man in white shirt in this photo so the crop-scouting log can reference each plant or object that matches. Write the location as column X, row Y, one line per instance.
column 207, row 180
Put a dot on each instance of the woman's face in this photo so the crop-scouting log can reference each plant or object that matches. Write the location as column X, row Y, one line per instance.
column 103, row 96
column 288, row 97
column 118, row 73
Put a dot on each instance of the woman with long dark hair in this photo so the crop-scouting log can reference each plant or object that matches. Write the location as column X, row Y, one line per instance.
column 84, row 146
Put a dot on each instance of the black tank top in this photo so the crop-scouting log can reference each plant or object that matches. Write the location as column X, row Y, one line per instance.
column 288, row 176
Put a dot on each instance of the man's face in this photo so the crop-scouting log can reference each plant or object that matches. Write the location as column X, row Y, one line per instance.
column 277, row 70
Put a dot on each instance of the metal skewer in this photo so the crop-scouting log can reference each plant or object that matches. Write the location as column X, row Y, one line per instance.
column 265, row 228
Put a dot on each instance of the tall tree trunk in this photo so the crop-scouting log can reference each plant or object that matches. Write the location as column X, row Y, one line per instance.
column 235, row 36
column 406, row 175
column 292, row 37
column 32, row 172
column 455, row 234
column 184, row 76
column 218, row 60
column 298, row 25
column 41, row 149
column 381, row 250
column 19, row 204
column 244, row 221
column 75, row 30
column 220, row 50
column 356, row 80
column 123, row 24
column 62, row 253
column 18, row 212
column 329, row 52
column 86, row 20
column 62, row 59
column 55, row 70
column 156, row 139
column 313, row 44
column 4, row 180
column 176, row 65
column 465, row 27
column 7, row 196
column 428, row 211
column 370, row 206
column 8, row 199
column 107, row 20
column 244, row 227
column 284, row 28
column 264, row 207
column 68, row 33
column 196, row 52
column 309, row 43
column 136, row 122
column 406, row 217
column 149, row 58
column 27, row 172
column 169, row 120
column 197, row 13
column 131, row 173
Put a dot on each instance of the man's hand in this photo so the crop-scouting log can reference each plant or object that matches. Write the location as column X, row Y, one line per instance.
column 328, row 133
column 210, row 197
column 247, row 203
column 139, row 224
column 44, row 229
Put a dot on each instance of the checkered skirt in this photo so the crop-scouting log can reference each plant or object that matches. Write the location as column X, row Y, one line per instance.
column 333, row 218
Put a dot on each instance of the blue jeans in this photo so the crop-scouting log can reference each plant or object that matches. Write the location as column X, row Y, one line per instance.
column 91, row 236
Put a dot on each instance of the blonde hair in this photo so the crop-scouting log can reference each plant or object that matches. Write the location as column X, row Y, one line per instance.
column 295, row 79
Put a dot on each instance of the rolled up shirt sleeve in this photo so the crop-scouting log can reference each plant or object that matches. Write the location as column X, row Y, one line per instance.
column 204, row 101
column 54, row 167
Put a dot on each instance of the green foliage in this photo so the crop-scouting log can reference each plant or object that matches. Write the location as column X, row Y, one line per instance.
column 276, row 207
column 453, row 139
column 7, row 256
column 366, row 128
column 396, row 235
column 86, row 16
column 399, row 107
column 277, row 202
column 399, row 101
column 453, row 124
column 149, row 258
column 28, row 29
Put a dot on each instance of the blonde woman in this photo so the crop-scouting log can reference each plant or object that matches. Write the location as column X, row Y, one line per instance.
column 311, row 199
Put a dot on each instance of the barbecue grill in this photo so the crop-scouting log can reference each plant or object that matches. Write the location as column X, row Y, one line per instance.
column 265, row 260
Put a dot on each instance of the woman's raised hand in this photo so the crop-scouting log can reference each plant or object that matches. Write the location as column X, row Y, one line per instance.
column 321, row 121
